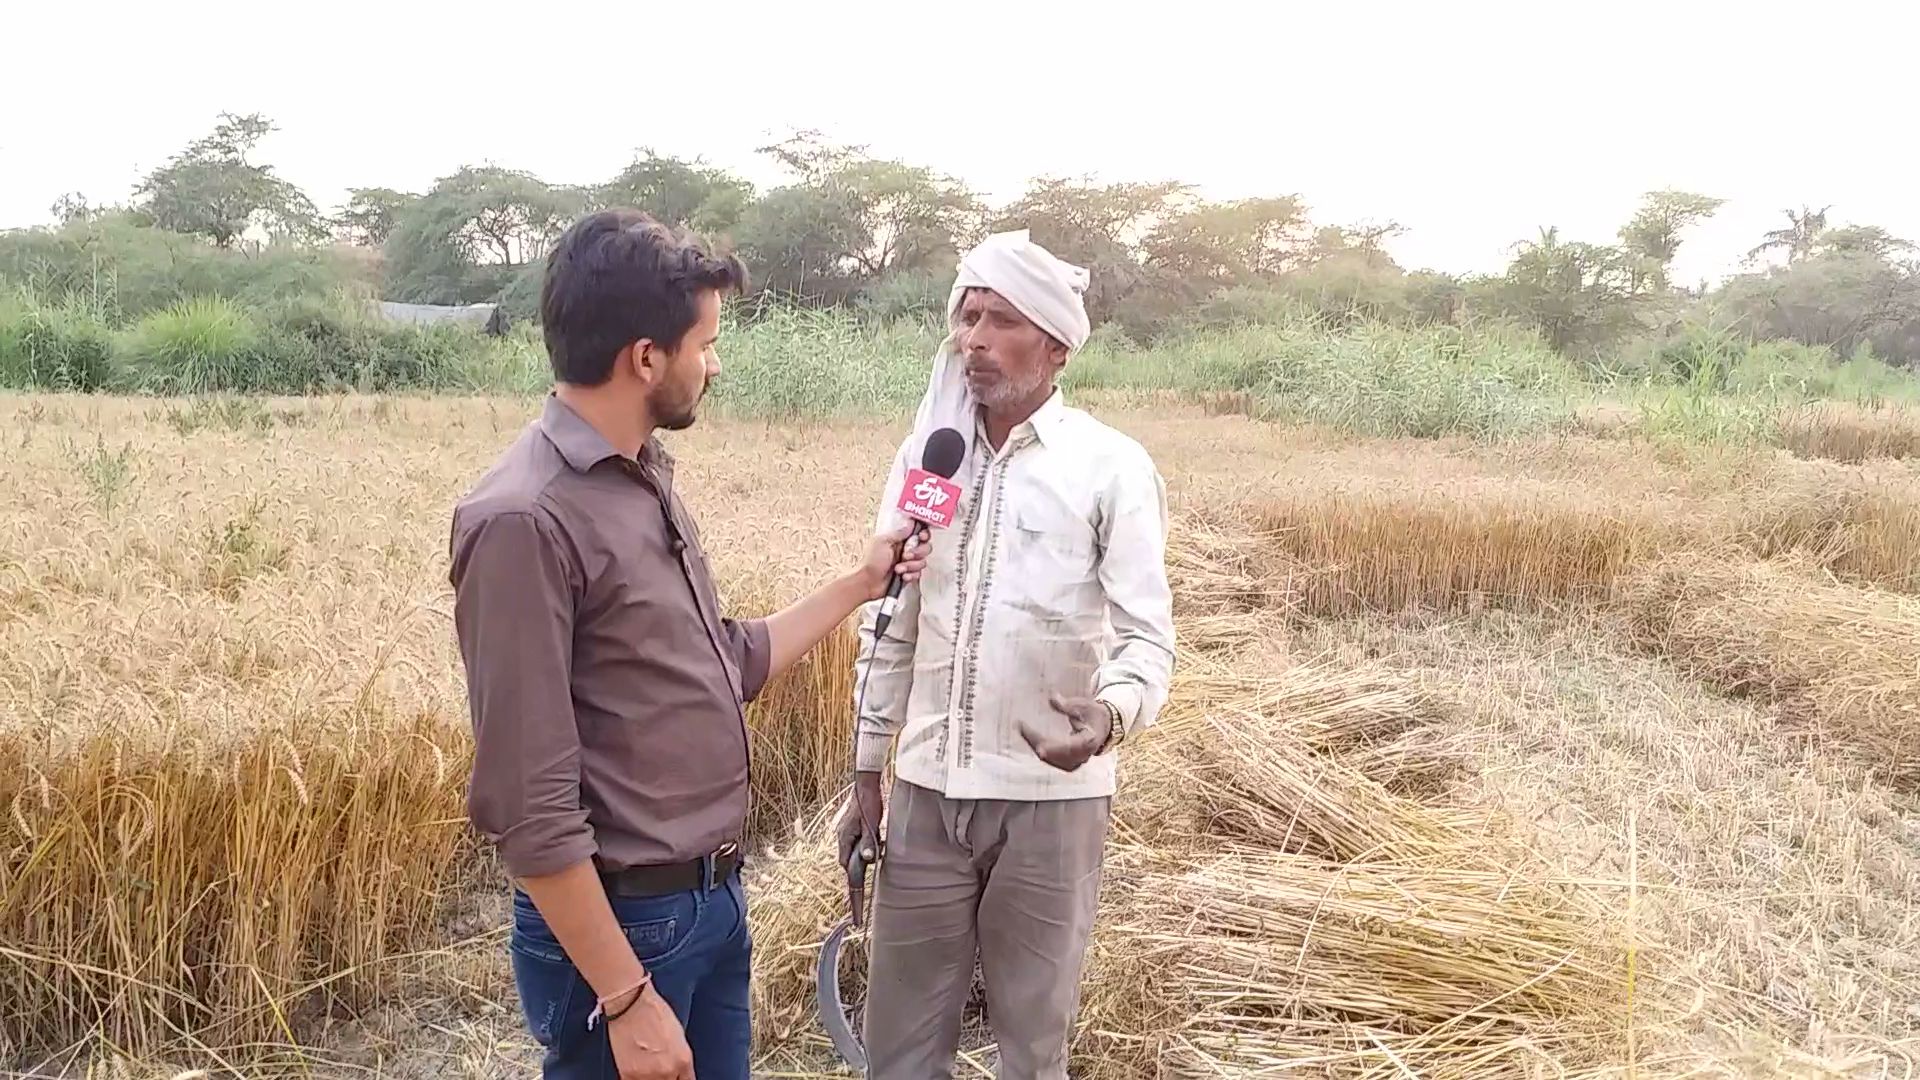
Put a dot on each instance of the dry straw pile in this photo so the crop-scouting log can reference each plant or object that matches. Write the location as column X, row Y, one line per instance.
column 1842, row 658
column 1292, row 885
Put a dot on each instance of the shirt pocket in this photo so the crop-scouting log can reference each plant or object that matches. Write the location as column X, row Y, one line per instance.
column 1052, row 560
column 1052, row 527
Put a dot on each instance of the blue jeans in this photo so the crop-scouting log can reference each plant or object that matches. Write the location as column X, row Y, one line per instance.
column 696, row 945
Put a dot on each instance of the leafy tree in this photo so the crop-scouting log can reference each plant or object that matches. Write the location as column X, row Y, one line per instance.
column 466, row 239
column 801, row 240
column 1869, row 240
column 679, row 193
column 1358, row 245
column 812, row 156
column 71, row 207
column 1799, row 239
column 210, row 189
column 1211, row 245
column 1839, row 298
column 371, row 214
column 1651, row 238
column 1579, row 295
column 1095, row 226
column 914, row 219
column 851, row 219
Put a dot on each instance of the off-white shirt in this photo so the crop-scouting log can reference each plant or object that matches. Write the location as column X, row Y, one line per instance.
column 1051, row 580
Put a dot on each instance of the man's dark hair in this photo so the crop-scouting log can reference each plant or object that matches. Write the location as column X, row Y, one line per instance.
column 617, row 276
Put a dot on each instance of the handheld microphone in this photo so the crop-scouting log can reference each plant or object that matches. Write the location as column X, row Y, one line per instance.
column 929, row 496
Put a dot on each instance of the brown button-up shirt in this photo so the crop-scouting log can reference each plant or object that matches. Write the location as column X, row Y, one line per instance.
column 606, row 689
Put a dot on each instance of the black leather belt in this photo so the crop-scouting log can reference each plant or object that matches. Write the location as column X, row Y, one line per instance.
column 704, row 874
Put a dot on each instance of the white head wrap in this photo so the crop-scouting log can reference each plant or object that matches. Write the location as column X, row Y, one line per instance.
column 1046, row 289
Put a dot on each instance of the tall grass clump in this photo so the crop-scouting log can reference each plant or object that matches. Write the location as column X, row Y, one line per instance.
column 1371, row 378
column 816, row 364
column 61, row 347
column 199, row 346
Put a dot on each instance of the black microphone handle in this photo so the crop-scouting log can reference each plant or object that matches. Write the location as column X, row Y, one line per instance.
column 888, row 604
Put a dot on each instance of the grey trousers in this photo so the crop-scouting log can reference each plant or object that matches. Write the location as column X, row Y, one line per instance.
column 1017, row 882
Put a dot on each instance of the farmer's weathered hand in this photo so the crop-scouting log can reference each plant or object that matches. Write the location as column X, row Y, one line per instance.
column 860, row 830
column 1088, row 725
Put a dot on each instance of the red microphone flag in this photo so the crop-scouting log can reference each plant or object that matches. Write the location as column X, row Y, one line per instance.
column 929, row 498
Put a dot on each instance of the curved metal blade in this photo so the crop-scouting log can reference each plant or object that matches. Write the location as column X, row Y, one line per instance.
column 833, row 1015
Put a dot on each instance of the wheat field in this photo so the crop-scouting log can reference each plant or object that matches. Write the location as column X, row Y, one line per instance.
column 1563, row 756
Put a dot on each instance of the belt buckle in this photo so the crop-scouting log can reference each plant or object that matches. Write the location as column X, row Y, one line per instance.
column 708, row 861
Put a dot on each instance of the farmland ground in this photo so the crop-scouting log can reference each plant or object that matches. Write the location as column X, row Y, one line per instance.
column 1657, row 695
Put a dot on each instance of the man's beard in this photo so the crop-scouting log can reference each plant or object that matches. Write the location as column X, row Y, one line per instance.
column 681, row 418
column 1006, row 391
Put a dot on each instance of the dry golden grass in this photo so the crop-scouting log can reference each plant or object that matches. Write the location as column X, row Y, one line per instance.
column 232, row 739
column 1782, row 879
column 233, row 750
column 1852, row 433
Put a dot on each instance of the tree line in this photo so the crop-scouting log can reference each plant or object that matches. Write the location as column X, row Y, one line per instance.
column 880, row 235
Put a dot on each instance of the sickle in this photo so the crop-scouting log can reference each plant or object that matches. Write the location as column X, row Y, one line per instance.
column 833, row 1014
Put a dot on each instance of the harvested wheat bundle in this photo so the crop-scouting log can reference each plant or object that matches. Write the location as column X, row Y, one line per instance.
column 1219, row 577
column 1452, row 967
column 1843, row 658
column 1278, row 759
column 797, row 894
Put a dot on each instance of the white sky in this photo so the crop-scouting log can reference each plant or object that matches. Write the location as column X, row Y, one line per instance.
column 1472, row 123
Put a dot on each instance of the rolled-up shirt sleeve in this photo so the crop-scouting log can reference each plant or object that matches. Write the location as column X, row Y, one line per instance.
column 752, row 651
column 1135, row 675
column 514, row 590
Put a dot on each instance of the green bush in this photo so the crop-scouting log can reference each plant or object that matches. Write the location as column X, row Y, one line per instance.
column 1700, row 356
column 202, row 345
column 1716, row 359
column 1381, row 379
column 918, row 294
column 54, row 347
column 810, row 362
column 123, row 269
column 1374, row 378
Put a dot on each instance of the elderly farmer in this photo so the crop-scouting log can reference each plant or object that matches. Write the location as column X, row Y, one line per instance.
column 610, row 747
column 1039, row 638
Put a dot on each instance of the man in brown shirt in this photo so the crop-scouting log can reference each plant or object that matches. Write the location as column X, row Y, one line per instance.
column 606, row 687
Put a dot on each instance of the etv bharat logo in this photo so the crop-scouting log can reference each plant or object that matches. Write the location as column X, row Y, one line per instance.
column 928, row 498
column 929, row 493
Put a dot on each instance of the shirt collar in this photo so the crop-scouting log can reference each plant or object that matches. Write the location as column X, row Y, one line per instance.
column 582, row 445
column 1045, row 421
